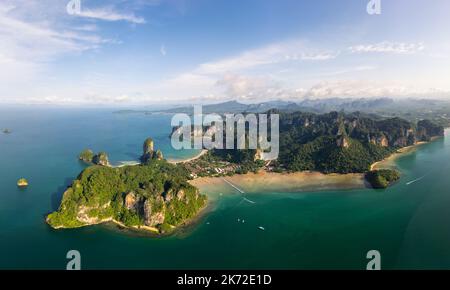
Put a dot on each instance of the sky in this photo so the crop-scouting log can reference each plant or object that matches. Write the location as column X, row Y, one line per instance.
column 144, row 52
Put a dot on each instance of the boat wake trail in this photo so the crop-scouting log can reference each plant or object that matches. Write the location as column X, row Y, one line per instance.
column 240, row 190
column 248, row 200
column 415, row 180
column 232, row 185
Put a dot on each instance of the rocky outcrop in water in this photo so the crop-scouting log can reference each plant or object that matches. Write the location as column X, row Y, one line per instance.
column 101, row 159
column 149, row 152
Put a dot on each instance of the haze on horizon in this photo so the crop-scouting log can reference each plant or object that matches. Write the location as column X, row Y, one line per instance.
column 125, row 53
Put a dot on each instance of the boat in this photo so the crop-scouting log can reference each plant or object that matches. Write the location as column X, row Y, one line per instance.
column 261, row 228
column 6, row 131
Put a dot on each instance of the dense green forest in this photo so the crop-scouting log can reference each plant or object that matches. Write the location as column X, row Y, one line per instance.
column 345, row 143
column 382, row 178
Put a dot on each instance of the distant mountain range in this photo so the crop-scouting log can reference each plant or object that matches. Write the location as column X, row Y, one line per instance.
column 411, row 109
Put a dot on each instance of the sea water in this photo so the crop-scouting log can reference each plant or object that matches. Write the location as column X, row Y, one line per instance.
column 408, row 224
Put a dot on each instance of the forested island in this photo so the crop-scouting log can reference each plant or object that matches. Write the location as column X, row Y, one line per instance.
column 152, row 196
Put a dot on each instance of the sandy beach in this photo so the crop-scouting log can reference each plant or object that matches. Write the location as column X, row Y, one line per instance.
column 279, row 182
column 203, row 152
column 294, row 182
column 389, row 162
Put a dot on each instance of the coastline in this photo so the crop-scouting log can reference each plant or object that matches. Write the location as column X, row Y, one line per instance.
column 279, row 182
column 203, row 152
column 261, row 182
column 388, row 162
column 264, row 181
column 143, row 228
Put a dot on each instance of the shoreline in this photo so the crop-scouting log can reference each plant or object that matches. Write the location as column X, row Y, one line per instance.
column 202, row 152
column 152, row 231
column 302, row 181
column 264, row 181
column 387, row 163
column 143, row 229
column 171, row 161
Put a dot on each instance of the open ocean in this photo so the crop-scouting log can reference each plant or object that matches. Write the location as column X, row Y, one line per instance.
column 408, row 224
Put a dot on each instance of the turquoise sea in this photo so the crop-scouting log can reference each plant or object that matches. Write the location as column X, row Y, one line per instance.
column 408, row 224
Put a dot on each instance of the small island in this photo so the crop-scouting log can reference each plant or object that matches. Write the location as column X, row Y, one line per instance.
column 22, row 182
column 6, row 131
column 382, row 178
column 154, row 196
column 89, row 157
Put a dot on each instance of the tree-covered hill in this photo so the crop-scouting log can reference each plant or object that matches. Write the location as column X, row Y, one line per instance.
column 155, row 194
column 337, row 142
column 345, row 143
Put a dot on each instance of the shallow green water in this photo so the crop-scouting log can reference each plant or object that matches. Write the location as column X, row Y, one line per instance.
column 408, row 224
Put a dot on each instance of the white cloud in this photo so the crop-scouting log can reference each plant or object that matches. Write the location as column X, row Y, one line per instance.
column 245, row 87
column 108, row 14
column 25, row 46
column 30, row 42
column 389, row 47
column 278, row 53
column 87, row 27
column 367, row 89
column 313, row 56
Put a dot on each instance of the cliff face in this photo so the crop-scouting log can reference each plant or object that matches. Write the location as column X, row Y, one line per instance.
column 154, row 212
column 336, row 142
column 426, row 130
column 149, row 152
column 345, row 143
column 101, row 159
column 379, row 141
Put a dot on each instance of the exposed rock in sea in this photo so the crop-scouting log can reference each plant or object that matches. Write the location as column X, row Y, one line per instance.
column 149, row 152
column 101, row 159
column 22, row 182
column 159, row 155
column 86, row 155
column 148, row 146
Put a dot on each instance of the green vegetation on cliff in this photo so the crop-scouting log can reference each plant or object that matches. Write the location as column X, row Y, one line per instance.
column 86, row 155
column 100, row 158
column 382, row 178
column 345, row 143
column 335, row 142
column 155, row 194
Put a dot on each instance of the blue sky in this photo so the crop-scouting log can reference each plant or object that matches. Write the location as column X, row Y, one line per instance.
column 143, row 52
